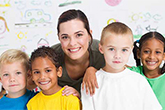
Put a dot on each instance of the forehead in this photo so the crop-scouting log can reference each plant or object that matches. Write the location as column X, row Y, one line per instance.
column 153, row 43
column 118, row 40
column 19, row 66
column 71, row 26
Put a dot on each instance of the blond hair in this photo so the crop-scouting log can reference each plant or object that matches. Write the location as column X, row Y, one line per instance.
column 116, row 28
column 14, row 55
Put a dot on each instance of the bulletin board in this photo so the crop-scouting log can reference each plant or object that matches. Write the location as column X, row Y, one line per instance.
column 29, row 24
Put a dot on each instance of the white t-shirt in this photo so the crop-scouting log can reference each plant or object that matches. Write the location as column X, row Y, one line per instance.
column 126, row 90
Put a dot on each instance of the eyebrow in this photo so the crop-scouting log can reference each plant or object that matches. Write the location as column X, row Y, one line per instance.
column 79, row 32
column 74, row 33
column 114, row 46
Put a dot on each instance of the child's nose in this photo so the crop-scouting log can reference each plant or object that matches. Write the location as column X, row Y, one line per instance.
column 43, row 75
column 117, row 55
column 151, row 55
column 12, row 79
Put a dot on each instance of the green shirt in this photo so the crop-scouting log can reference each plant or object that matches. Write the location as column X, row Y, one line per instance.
column 96, row 60
column 157, row 84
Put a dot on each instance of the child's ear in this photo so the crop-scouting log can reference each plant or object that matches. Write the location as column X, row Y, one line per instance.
column 59, row 71
column 100, row 48
column 138, row 53
column 164, row 56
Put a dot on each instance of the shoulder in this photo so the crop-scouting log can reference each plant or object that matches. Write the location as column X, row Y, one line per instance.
column 72, row 99
column 57, row 47
column 95, row 45
column 138, row 69
column 134, row 74
column 36, row 96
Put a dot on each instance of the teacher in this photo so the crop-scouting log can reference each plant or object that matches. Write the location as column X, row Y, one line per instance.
column 77, row 49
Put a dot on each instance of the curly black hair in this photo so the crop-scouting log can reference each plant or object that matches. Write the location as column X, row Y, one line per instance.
column 45, row 52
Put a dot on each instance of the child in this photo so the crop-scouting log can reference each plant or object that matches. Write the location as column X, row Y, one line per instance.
column 14, row 66
column 119, row 87
column 151, row 52
column 46, row 69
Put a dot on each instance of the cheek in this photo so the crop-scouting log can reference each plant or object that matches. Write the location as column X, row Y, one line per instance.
column 64, row 44
column 84, row 42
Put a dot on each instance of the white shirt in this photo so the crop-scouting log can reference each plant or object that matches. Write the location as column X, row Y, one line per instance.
column 126, row 90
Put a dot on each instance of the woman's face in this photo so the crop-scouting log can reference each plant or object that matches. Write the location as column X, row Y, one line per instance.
column 74, row 39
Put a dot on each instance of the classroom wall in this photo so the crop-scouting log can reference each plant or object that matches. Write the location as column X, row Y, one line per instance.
column 28, row 24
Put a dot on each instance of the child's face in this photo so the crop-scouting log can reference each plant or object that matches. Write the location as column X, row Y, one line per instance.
column 45, row 75
column 13, row 77
column 116, row 50
column 152, row 54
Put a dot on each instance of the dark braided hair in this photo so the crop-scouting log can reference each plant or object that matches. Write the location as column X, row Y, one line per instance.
column 45, row 52
column 139, row 43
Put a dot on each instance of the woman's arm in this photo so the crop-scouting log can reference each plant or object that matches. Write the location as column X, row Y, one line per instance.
column 90, row 81
column 70, row 90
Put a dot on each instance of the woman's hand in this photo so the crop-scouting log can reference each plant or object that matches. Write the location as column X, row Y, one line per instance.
column 70, row 90
column 90, row 81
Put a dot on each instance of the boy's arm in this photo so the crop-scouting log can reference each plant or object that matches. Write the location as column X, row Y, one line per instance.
column 90, row 81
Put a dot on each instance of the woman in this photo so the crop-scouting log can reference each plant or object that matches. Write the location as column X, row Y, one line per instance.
column 78, row 51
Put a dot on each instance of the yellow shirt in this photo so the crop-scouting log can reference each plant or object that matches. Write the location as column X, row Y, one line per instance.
column 54, row 102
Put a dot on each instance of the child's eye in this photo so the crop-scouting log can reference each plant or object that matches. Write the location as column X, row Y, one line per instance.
column 18, row 73
column 124, row 50
column 48, row 71
column 36, row 72
column 146, row 51
column 111, row 49
column 158, row 52
column 6, row 74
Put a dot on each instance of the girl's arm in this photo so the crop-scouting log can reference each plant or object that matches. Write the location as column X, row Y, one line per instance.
column 90, row 81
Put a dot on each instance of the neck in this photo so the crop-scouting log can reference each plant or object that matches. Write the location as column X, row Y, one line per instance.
column 79, row 61
column 16, row 94
column 112, row 70
column 52, row 91
column 152, row 73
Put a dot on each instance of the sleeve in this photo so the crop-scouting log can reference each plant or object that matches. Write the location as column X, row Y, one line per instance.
column 149, row 98
column 29, row 106
column 87, row 101
column 96, row 58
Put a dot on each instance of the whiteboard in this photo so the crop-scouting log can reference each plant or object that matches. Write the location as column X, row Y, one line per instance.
column 29, row 24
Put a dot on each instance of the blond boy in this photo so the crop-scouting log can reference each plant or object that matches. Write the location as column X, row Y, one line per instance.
column 14, row 66
column 119, row 88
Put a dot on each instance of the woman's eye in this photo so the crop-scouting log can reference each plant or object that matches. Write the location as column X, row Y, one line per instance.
column 64, row 37
column 79, row 35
